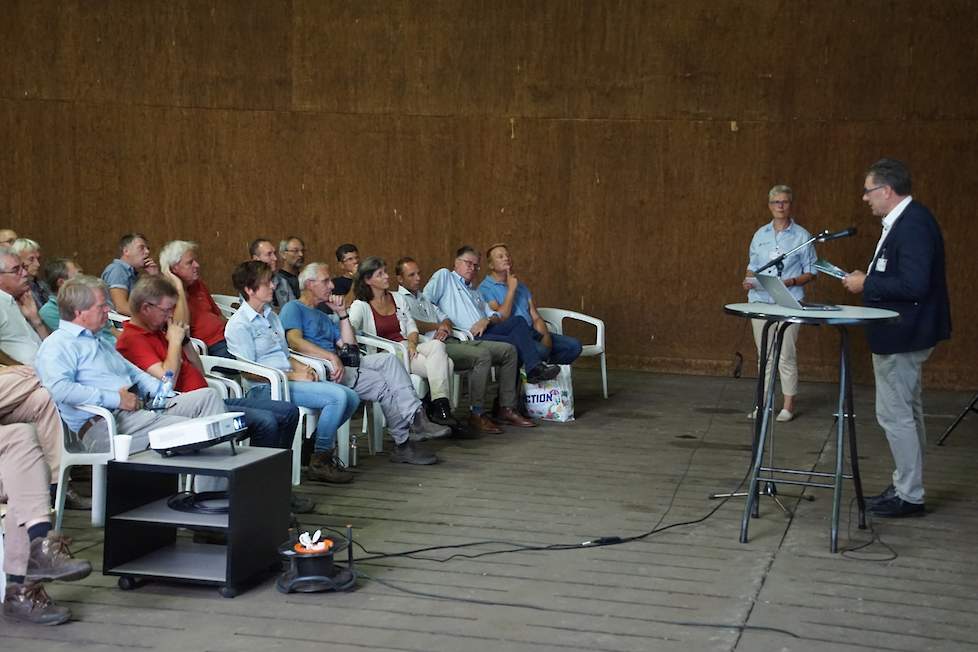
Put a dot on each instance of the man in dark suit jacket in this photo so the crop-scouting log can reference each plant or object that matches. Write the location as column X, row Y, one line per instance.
column 907, row 275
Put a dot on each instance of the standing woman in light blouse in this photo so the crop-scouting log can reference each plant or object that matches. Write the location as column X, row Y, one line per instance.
column 377, row 311
column 780, row 235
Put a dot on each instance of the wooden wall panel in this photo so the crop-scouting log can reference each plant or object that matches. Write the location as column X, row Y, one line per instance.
column 623, row 149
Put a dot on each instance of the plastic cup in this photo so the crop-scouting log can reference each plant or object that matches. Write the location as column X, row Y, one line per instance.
column 122, row 445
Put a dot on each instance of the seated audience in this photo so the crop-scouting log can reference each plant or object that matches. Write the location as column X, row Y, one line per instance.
column 21, row 328
column 378, row 377
column 7, row 236
column 262, row 249
column 77, row 367
column 476, row 356
column 255, row 334
column 508, row 296
column 292, row 251
column 453, row 292
column 120, row 274
column 156, row 343
column 377, row 311
column 33, row 552
column 56, row 272
column 29, row 253
column 348, row 257
column 195, row 305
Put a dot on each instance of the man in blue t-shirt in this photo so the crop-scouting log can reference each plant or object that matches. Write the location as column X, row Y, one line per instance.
column 508, row 296
column 380, row 377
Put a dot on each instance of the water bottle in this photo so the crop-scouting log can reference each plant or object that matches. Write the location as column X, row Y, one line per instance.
column 163, row 391
column 353, row 449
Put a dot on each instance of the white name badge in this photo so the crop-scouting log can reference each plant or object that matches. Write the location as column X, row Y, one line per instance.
column 881, row 264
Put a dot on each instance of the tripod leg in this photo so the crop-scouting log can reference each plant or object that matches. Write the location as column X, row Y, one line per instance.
column 971, row 408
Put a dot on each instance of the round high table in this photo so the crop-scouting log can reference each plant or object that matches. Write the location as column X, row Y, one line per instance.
column 780, row 317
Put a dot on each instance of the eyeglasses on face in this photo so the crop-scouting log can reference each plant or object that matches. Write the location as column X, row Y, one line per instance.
column 165, row 311
column 866, row 191
column 780, row 202
column 17, row 270
column 469, row 263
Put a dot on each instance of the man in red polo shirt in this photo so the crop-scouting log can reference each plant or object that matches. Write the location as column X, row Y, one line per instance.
column 179, row 265
column 155, row 342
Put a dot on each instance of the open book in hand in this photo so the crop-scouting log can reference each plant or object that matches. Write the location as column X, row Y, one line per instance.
column 826, row 267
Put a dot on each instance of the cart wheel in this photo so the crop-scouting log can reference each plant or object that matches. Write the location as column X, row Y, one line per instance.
column 227, row 591
column 128, row 583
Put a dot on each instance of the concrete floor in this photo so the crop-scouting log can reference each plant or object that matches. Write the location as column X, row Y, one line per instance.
column 646, row 458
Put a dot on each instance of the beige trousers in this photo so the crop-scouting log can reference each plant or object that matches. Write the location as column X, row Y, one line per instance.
column 788, row 365
column 433, row 363
column 23, row 400
column 24, row 480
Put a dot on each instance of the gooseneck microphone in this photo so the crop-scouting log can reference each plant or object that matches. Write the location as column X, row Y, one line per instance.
column 825, row 236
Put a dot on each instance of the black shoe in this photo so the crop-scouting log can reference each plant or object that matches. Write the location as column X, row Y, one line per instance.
column 301, row 504
column 461, row 432
column 888, row 493
column 542, row 372
column 441, row 413
column 408, row 453
column 896, row 507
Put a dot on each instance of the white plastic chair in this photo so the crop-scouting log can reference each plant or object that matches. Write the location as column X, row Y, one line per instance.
column 118, row 318
column 279, row 386
column 227, row 303
column 555, row 319
column 74, row 453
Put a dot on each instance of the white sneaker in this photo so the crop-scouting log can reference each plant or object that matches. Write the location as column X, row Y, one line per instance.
column 784, row 415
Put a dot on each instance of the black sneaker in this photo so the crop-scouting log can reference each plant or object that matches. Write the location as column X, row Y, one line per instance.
column 409, row 453
column 301, row 504
column 896, row 507
column 888, row 493
column 542, row 372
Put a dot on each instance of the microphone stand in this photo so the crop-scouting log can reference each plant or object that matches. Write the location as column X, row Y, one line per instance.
column 779, row 261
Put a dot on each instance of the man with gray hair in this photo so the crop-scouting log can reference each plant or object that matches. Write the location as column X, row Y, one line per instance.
column 21, row 328
column 78, row 368
column 292, row 251
column 120, row 274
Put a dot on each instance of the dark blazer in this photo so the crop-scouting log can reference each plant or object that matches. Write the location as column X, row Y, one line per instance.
column 914, row 284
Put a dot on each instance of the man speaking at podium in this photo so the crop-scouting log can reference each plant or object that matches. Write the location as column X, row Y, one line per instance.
column 906, row 274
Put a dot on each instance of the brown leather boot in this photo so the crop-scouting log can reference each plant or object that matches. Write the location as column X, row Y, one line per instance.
column 323, row 468
column 51, row 560
column 29, row 602
column 512, row 417
column 482, row 424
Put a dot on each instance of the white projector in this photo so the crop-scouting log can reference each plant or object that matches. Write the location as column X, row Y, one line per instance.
column 194, row 434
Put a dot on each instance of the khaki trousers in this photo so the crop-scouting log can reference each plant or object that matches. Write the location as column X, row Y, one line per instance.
column 23, row 400
column 24, row 480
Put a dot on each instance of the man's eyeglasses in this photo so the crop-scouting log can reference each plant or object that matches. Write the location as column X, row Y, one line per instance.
column 469, row 263
column 296, row 251
column 866, row 191
column 781, row 203
column 17, row 270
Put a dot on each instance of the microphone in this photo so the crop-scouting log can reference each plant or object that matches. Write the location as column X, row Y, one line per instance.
column 825, row 236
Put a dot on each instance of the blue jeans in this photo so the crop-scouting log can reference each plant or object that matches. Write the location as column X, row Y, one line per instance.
column 271, row 424
column 565, row 349
column 336, row 402
column 517, row 332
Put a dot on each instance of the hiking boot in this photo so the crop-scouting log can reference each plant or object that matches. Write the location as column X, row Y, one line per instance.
column 74, row 500
column 408, row 453
column 324, row 468
column 30, row 603
column 422, row 429
column 51, row 560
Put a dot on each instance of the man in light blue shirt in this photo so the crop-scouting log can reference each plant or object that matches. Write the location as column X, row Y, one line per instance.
column 454, row 293
column 510, row 297
column 78, row 368
column 120, row 275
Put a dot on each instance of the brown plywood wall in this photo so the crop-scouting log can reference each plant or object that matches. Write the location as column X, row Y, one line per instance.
column 624, row 149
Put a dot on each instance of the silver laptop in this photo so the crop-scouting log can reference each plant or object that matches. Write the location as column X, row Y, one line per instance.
column 776, row 288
